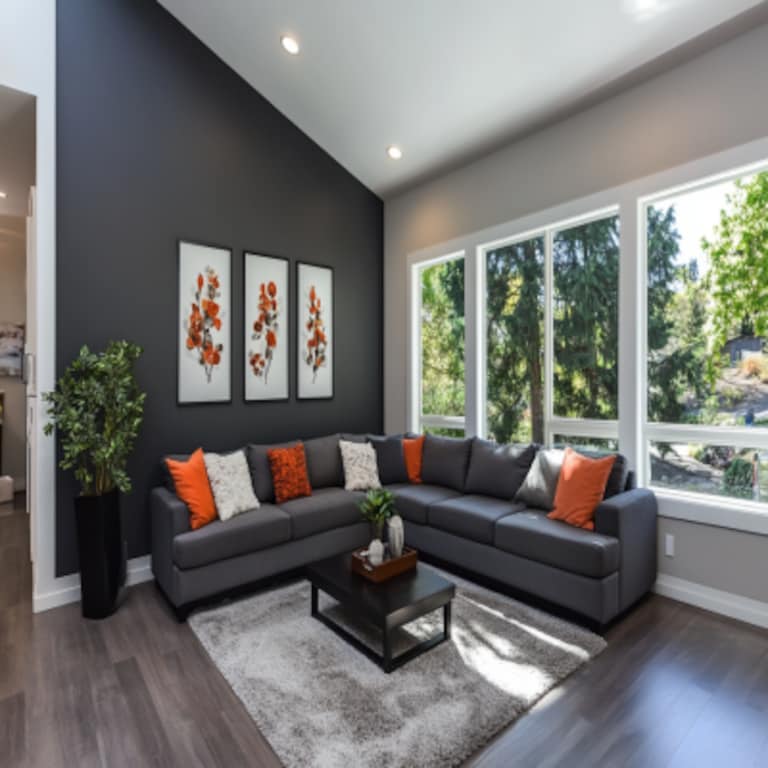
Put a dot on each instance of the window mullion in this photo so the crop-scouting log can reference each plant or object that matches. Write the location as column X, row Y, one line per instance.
column 549, row 354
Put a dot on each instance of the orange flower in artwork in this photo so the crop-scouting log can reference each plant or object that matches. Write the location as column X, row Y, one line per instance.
column 317, row 340
column 204, row 320
column 265, row 330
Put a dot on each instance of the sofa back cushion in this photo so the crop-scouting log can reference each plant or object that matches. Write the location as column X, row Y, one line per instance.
column 324, row 461
column 261, row 473
column 618, row 480
column 445, row 461
column 498, row 470
column 390, row 459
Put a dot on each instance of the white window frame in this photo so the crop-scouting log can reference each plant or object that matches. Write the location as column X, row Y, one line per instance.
column 553, row 424
column 416, row 419
column 633, row 432
column 651, row 431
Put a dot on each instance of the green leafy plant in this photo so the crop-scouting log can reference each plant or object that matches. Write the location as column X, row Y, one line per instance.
column 97, row 410
column 738, row 478
column 377, row 507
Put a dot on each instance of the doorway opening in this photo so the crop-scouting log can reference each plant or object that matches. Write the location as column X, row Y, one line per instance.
column 17, row 342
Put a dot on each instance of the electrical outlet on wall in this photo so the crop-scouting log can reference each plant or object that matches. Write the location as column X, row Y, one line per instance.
column 669, row 545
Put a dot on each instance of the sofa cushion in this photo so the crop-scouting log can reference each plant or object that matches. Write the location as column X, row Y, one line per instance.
column 580, row 488
column 190, row 479
column 539, row 486
column 390, row 459
column 230, row 482
column 498, row 470
column 261, row 474
column 617, row 480
column 325, row 509
column 445, row 461
column 412, row 501
column 531, row 534
column 353, row 437
column 473, row 517
column 251, row 531
column 413, row 453
column 324, row 462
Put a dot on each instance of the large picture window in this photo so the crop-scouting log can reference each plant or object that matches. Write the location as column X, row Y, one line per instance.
column 549, row 315
column 707, row 328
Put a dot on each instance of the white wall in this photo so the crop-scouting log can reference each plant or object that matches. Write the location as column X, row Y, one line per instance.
column 28, row 63
column 699, row 108
column 13, row 303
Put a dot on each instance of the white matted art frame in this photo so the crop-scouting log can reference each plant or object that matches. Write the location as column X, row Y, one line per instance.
column 315, row 331
column 204, row 323
column 266, row 299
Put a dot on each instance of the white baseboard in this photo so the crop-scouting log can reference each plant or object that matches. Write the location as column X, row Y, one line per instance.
column 716, row 600
column 67, row 588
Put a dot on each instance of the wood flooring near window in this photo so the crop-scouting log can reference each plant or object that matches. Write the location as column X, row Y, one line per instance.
column 676, row 687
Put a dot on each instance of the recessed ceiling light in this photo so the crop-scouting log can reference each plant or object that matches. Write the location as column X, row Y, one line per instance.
column 3, row 195
column 394, row 152
column 291, row 44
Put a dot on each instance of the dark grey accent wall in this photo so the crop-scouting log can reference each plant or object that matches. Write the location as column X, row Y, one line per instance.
column 158, row 139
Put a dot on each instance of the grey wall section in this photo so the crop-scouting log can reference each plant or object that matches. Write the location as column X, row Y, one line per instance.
column 701, row 107
column 721, row 558
column 158, row 139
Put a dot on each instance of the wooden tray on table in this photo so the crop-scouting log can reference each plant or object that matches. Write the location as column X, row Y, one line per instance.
column 390, row 568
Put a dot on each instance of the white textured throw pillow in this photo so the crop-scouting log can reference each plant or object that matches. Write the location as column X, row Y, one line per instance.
column 361, row 471
column 230, row 481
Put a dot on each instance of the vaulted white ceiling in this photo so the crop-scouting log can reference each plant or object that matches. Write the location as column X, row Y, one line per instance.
column 440, row 78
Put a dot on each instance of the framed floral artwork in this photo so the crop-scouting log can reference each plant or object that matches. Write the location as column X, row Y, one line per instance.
column 204, row 317
column 265, row 285
column 314, row 293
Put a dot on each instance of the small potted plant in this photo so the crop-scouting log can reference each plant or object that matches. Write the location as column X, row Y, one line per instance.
column 377, row 508
column 97, row 410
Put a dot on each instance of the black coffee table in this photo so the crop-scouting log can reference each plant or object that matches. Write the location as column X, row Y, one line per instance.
column 387, row 605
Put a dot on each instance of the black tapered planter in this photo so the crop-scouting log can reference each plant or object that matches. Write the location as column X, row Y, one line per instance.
column 102, row 553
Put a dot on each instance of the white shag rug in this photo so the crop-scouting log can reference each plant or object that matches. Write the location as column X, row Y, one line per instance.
column 322, row 704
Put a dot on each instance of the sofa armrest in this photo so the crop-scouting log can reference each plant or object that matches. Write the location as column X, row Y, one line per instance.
column 169, row 517
column 631, row 518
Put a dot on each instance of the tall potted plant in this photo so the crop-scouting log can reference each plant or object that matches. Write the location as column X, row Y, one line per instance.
column 97, row 410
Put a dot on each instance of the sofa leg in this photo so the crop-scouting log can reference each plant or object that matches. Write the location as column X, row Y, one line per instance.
column 182, row 613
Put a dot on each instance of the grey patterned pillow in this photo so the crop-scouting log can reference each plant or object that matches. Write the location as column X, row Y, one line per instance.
column 361, row 472
column 230, row 481
column 538, row 488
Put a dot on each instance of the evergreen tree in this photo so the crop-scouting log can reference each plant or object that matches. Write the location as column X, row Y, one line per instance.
column 585, row 315
column 515, row 342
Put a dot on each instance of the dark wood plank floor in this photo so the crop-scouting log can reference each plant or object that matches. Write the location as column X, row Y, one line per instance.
column 676, row 687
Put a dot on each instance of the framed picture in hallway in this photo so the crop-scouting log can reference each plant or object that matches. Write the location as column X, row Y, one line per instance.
column 265, row 285
column 314, row 291
column 11, row 349
column 204, row 318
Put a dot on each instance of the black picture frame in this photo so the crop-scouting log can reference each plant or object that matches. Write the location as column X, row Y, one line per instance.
column 288, row 321
column 299, row 324
column 180, row 350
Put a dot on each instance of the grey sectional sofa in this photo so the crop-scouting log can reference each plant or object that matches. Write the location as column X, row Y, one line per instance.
column 464, row 513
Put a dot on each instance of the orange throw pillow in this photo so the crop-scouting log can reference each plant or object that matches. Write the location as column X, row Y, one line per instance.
column 289, row 472
column 580, row 488
column 192, row 487
column 413, row 451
